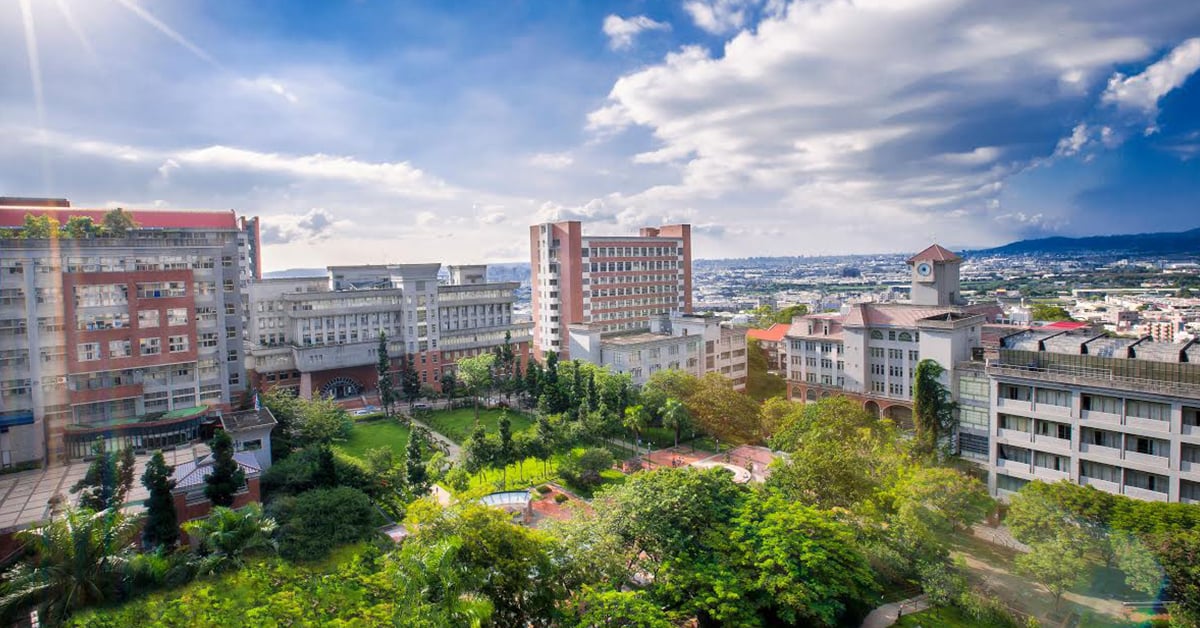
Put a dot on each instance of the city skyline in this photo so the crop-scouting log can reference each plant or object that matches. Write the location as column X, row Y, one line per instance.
column 367, row 133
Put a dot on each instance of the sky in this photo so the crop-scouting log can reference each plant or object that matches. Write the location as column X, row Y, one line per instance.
column 364, row 131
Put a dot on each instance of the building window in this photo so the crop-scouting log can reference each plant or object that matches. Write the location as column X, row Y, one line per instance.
column 177, row 344
column 147, row 318
column 177, row 316
column 1052, row 397
column 252, row 445
column 149, row 346
column 119, row 348
column 876, row 334
column 89, row 351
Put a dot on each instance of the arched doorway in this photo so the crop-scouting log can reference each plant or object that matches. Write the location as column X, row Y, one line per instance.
column 341, row 387
column 810, row 395
column 872, row 407
column 901, row 415
column 825, row 394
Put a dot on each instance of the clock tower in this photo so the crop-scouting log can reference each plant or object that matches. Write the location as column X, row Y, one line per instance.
column 935, row 277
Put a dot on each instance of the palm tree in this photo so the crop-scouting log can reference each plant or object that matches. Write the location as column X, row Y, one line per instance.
column 676, row 417
column 436, row 587
column 227, row 535
column 636, row 419
column 74, row 560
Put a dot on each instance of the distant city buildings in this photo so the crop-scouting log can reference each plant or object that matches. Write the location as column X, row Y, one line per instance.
column 321, row 335
column 124, row 337
column 616, row 283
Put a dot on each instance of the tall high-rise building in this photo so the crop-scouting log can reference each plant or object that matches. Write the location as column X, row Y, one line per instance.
column 615, row 283
column 126, row 338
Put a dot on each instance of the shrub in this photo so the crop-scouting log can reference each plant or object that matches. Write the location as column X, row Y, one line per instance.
column 583, row 468
column 543, row 489
column 301, row 472
column 314, row 522
column 560, row 498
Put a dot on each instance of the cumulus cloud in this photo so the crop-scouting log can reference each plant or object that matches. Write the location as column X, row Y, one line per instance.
column 167, row 167
column 720, row 16
column 1143, row 91
column 316, row 225
column 622, row 31
column 904, row 114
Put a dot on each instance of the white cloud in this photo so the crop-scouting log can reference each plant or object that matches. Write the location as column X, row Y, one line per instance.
column 314, row 226
column 1073, row 143
column 1143, row 91
column 552, row 161
column 167, row 167
column 621, row 31
column 723, row 16
column 271, row 85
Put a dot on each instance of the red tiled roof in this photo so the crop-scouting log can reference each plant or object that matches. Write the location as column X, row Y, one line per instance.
column 146, row 218
column 774, row 333
column 1065, row 325
column 935, row 253
column 906, row 315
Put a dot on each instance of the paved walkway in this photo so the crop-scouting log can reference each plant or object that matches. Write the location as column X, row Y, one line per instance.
column 453, row 451
column 887, row 614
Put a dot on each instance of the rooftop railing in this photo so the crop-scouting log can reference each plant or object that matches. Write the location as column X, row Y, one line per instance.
column 1082, row 376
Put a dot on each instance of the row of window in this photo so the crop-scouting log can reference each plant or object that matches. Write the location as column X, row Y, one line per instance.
column 90, row 351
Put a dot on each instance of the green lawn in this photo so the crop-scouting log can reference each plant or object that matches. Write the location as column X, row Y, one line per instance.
column 457, row 424
column 529, row 473
column 369, row 435
column 948, row 617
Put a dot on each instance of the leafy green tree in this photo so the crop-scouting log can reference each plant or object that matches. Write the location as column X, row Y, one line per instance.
column 314, row 522
column 761, row 384
column 719, row 410
column 449, row 385
column 1058, row 563
column 777, row 413
column 285, row 407
column 505, row 454
column 479, row 451
column 226, row 536
column 415, row 473
column 326, row 475
column 545, row 438
column 1178, row 552
column 226, row 477
column 583, row 468
column 939, row 501
column 1048, row 312
column 73, row 560
column 387, row 394
column 411, row 384
column 107, row 480
column 675, row 417
column 764, row 316
column 118, row 223
column 162, row 525
column 323, row 421
column 1137, row 562
column 475, row 374
column 636, row 419
column 80, row 227
column 666, row 384
column 40, row 227
column 619, row 609
column 933, row 410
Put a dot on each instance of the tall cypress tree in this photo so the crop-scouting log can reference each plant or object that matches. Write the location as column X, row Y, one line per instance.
column 387, row 394
column 505, row 454
column 412, row 380
column 933, row 411
column 226, row 477
column 107, row 480
column 162, row 526
column 414, row 469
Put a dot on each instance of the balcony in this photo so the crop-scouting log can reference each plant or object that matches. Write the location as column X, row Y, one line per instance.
column 1014, row 436
column 1100, row 451
column 1147, row 460
column 1150, row 425
column 1093, row 416
column 1050, row 475
column 1013, row 465
column 1145, row 494
column 1189, row 468
column 1047, row 409
column 1103, row 485
column 1051, row 443
column 1190, row 430
column 1015, row 404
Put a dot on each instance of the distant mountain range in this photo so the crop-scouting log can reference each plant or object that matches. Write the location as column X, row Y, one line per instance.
column 1142, row 243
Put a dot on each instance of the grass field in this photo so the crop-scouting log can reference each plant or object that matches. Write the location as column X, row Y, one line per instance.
column 369, row 435
column 530, row 472
column 943, row 617
column 457, row 424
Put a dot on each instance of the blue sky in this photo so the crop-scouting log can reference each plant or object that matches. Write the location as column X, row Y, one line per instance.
column 369, row 131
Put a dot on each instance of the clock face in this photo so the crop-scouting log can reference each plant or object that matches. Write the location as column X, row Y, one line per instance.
column 924, row 269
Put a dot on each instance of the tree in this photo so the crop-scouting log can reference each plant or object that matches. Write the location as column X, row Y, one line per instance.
column 667, row 384
column 387, row 395
column 764, row 316
column 761, row 384
column 1178, row 552
column 1048, row 312
column 71, row 561
column 937, row 501
column 723, row 412
column 583, row 469
column 933, row 411
column 117, row 223
column 475, row 373
column 636, row 419
column 479, row 451
column 81, row 227
column 619, row 609
column 414, row 470
column 545, row 439
column 411, row 384
column 504, row 455
column 285, row 407
column 675, row 417
column 162, row 526
column 326, row 475
column 107, row 480
column 226, row 477
column 314, row 522
column 449, row 385
column 323, row 421
column 226, row 536
column 1058, row 563
column 1142, row 571
column 40, row 227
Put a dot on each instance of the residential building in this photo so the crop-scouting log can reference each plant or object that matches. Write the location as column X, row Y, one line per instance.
column 617, row 283
column 128, row 339
column 1119, row 414
column 690, row 343
column 321, row 335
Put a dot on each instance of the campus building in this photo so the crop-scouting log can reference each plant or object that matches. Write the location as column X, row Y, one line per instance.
column 870, row 352
column 685, row 342
column 321, row 335
column 616, row 283
column 127, row 339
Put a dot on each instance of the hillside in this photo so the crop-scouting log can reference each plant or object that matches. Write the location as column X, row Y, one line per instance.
column 1143, row 243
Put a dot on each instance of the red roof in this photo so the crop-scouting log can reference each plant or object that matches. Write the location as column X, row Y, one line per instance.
column 147, row 218
column 1065, row 325
column 935, row 253
column 773, row 334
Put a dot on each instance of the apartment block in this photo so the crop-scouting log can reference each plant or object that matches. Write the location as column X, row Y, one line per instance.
column 130, row 340
column 616, row 283
column 321, row 335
